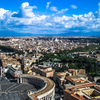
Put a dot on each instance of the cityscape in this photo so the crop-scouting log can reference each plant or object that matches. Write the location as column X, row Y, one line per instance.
column 50, row 50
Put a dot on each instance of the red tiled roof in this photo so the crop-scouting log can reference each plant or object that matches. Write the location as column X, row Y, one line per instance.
column 79, row 97
column 35, row 98
column 84, row 85
column 70, row 79
column 71, row 69
column 82, row 69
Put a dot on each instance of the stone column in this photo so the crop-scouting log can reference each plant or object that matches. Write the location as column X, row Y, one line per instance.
column 20, row 79
column 17, row 79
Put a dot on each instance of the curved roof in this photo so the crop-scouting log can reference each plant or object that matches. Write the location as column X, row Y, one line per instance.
column 49, row 86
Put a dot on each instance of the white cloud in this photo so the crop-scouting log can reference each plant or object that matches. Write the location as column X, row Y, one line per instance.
column 53, row 8
column 48, row 24
column 25, row 11
column 34, row 7
column 26, row 21
column 5, row 15
column 63, row 10
column 88, row 15
column 2, row 13
column 73, row 6
column 25, row 5
column 48, row 3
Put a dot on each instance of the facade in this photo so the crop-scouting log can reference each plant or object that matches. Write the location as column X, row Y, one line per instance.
column 14, row 72
column 43, row 70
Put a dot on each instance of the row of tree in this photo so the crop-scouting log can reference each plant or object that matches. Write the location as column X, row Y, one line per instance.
column 10, row 49
column 77, row 62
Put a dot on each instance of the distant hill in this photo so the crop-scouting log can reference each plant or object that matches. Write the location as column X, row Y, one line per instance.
column 12, row 33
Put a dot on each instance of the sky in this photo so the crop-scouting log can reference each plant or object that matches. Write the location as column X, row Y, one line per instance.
column 50, row 18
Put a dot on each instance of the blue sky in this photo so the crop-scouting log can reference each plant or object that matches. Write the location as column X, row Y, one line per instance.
column 49, row 17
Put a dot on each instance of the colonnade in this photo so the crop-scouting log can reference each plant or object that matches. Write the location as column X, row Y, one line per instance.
column 38, row 81
column 48, row 97
column 22, row 80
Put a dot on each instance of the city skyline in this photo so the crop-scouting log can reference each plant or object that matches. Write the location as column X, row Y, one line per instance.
column 49, row 18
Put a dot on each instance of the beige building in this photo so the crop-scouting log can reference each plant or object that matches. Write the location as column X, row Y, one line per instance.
column 60, row 77
column 46, row 71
